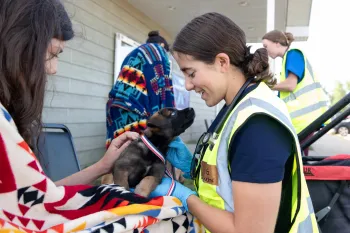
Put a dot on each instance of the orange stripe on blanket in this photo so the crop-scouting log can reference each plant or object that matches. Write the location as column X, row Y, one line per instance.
column 58, row 228
column 133, row 209
column 79, row 228
column 11, row 231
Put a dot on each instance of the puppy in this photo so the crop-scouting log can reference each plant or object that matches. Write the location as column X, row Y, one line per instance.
column 137, row 166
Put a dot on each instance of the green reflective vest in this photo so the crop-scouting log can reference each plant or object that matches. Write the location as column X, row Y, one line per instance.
column 308, row 101
column 214, row 184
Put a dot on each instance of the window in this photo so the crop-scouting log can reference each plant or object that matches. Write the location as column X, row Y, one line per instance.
column 123, row 46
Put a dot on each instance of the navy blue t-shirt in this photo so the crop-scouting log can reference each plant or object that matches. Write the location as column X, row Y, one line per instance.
column 259, row 150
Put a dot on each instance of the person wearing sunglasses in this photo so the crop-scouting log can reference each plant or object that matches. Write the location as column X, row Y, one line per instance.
column 247, row 168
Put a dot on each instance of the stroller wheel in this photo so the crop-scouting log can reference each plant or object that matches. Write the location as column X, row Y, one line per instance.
column 343, row 131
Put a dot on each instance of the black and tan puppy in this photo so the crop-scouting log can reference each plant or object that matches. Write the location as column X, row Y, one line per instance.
column 137, row 167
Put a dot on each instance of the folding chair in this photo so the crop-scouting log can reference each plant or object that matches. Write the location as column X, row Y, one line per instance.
column 56, row 153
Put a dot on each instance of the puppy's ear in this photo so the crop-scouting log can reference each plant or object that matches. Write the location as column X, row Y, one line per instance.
column 152, row 129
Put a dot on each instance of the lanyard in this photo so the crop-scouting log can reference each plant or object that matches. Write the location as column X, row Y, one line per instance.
column 161, row 157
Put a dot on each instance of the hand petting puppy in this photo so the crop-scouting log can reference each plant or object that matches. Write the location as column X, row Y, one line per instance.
column 116, row 147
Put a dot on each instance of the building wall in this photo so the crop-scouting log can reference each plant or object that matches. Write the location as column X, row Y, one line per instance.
column 77, row 94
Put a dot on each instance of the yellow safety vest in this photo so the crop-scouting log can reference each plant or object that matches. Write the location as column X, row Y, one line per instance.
column 213, row 181
column 308, row 101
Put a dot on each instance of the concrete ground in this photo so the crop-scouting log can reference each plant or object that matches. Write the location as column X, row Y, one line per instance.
column 331, row 145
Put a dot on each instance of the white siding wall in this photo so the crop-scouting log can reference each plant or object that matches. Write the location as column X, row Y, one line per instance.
column 77, row 95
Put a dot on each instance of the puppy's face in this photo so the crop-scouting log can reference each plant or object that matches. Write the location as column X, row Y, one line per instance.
column 168, row 123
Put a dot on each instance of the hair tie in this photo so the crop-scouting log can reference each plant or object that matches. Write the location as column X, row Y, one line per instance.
column 285, row 36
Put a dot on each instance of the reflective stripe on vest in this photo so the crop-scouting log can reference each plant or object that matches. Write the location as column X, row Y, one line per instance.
column 225, row 187
column 308, row 109
column 308, row 101
column 220, row 195
column 306, row 225
column 295, row 95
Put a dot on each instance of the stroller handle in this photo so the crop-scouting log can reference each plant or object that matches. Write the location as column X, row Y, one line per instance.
column 325, row 129
column 316, row 125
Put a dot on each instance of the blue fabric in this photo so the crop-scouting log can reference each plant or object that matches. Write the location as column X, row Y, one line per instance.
column 259, row 150
column 7, row 115
column 143, row 87
column 295, row 64
column 179, row 156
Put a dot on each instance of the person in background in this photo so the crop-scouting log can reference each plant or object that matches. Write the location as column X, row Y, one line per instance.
column 32, row 36
column 143, row 87
column 299, row 87
column 247, row 169
column 154, row 37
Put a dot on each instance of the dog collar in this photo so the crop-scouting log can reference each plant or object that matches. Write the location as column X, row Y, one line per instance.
column 162, row 158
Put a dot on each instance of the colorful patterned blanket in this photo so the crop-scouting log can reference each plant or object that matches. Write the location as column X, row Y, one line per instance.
column 31, row 202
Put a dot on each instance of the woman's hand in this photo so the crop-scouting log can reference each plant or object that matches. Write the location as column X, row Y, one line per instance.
column 114, row 150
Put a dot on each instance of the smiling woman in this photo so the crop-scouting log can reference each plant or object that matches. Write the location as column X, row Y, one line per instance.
column 199, row 64
column 248, row 165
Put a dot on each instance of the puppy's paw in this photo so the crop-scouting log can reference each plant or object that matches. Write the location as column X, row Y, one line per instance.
column 142, row 191
column 146, row 186
column 107, row 179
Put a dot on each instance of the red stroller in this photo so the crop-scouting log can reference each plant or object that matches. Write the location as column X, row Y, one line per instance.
column 328, row 178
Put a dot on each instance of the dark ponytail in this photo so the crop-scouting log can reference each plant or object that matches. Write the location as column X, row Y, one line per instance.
column 154, row 37
column 258, row 66
column 212, row 33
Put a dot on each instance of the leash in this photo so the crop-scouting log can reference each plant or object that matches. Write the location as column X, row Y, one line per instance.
column 161, row 157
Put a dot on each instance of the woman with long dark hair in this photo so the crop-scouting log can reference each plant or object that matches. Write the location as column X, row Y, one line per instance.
column 32, row 35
